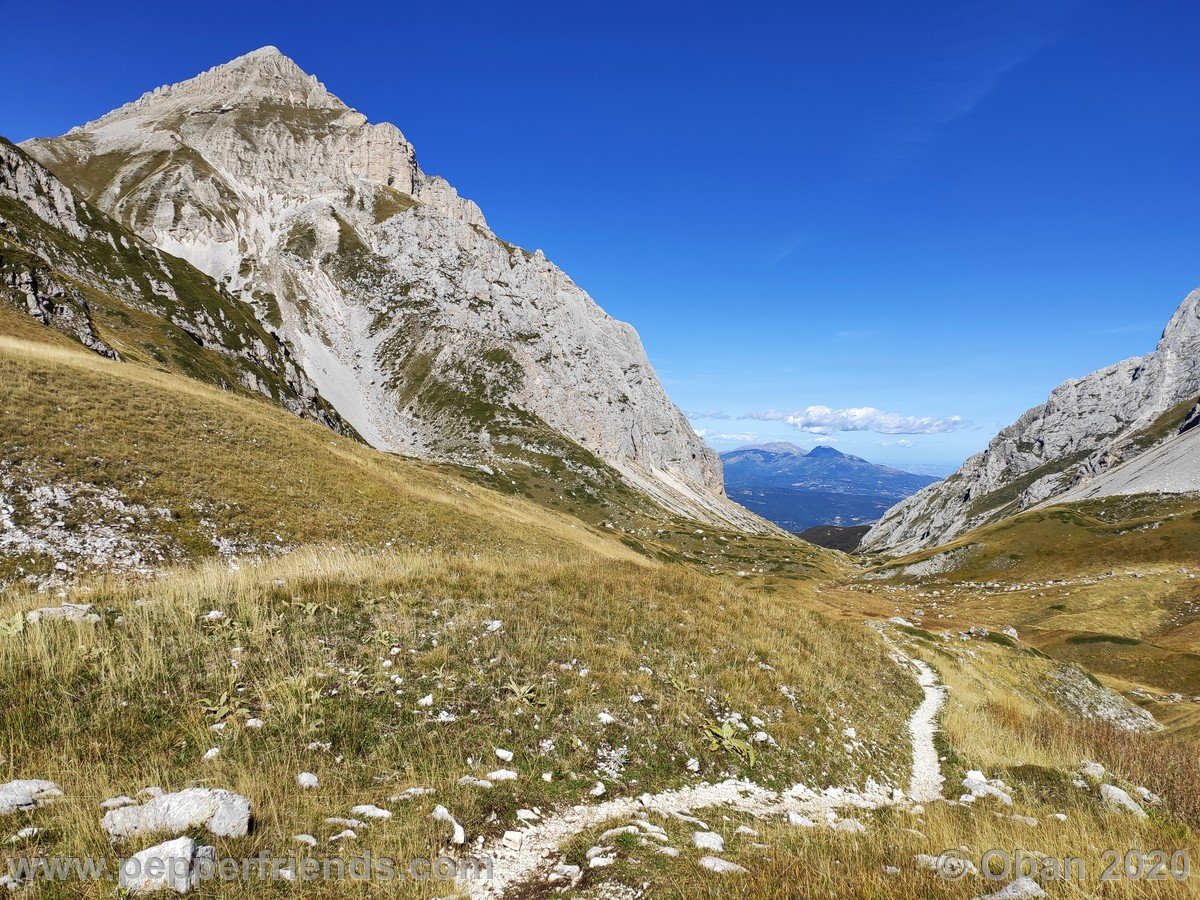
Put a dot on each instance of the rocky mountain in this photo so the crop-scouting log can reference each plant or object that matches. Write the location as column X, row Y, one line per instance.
column 1125, row 429
column 68, row 266
column 429, row 335
column 797, row 488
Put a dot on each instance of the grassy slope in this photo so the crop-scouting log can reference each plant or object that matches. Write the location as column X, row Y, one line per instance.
column 424, row 559
column 1108, row 584
column 588, row 623
column 238, row 469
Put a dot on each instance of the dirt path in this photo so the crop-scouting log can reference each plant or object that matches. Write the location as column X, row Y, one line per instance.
column 537, row 852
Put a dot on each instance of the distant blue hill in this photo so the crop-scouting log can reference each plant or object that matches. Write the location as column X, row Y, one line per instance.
column 798, row 489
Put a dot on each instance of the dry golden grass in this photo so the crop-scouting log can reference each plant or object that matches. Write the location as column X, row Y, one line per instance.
column 110, row 708
column 396, row 570
column 240, row 470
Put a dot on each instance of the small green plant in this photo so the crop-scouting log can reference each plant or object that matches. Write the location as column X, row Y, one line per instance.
column 226, row 706
column 12, row 626
column 523, row 693
column 681, row 685
column 724, row 736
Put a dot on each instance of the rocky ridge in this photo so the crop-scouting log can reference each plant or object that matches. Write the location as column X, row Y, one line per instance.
column 426, row 332
column 1087, row 428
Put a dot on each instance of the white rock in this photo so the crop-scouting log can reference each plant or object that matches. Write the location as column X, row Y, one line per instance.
column 599, row 790
column 67, row 612
column 502, row 775
column 348, row 834
column 413, row 792
column 214, row 615
column 441, row 814
column 606, row 719
column 27, row 794
column 1021, row 888
column 708, row 840
column 222, row 812
column 172, row 865
column 1148, row 796
column 308, row 780
column 978, row 785
column 1093, row 770
column 344, row 822
column 513, row 840
column 599, row 862
column 306, row 839
column 25, row 834
column 504, row 755
column 114, row 802
column 254, row 723
column 1116, row 798
column 794, row 818
column 563, row 872
column 427, row 700
column 370, row 811
column 948, row 866
column 850, row 826
column 211, row 753
column 720, row 866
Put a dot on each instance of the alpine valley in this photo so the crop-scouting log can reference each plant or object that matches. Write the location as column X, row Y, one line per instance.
column 333, row 528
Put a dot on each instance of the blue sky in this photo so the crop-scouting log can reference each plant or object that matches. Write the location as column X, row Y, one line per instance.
column 936, row 210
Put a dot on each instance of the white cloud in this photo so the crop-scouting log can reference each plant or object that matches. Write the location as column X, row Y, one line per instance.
column 708, row 414
column 902, row 442
column 741, row 436
column 824, row 420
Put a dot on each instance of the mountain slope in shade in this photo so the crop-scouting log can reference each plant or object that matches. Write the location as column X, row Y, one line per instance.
column 1072, row 446
column 798, row 489
column 429, row 334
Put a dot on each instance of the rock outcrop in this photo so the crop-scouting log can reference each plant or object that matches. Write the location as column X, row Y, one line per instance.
column 429, row 334
column 72, row 268
column 1086, row 429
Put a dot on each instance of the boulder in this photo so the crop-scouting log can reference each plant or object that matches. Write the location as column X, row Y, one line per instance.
column 27, row 794
column 222, row 812
column 177, row 865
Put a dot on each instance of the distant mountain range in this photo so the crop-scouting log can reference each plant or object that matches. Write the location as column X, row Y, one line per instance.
column 797, row 488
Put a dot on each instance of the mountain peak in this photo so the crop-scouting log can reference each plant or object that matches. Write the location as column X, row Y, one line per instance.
column 261, row 76
column 824, row 453
column 1184, row 327
column 262, row 52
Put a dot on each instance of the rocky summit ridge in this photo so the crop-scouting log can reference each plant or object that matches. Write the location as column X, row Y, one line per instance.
column 428, row 334
column 1092, row 437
